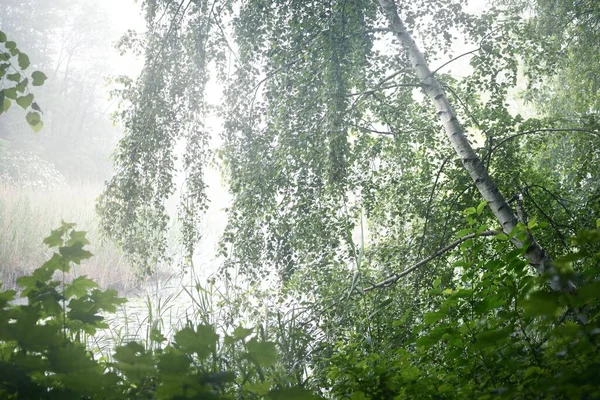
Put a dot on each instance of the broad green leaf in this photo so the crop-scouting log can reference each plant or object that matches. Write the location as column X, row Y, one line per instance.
column 463, row 232
column 358, row 396
column 23, row 60
column 75, row 253
column 2, row 37
column 201, row 341
column 157, row 336
column 492, row 337
column 502, row 236
column 6, row 103
column 262, row 353
column 259, row 388
column 587, row 292
column 55, row 239
column 16, row 77
column 532, row 223
column 481, row 207
column 38, row 78
column 241, row 333
column 37, row 127
column 543, row 303
column 470, row 211
column 6, row 297
column 79, row 287
column 33, row 118
column 77, row 237
column 11, row 93
column 433, row 317
column 10, row 45
column 25, row 101
column 21, row 86
column 174, row 362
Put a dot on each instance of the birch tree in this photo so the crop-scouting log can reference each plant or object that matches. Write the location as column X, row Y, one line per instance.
column 352, row 175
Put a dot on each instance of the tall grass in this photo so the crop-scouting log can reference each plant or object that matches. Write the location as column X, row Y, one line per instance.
column 27, row 215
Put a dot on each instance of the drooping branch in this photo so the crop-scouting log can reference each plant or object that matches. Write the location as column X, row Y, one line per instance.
column 545, row 130
column 396, row 277
column 471, row 162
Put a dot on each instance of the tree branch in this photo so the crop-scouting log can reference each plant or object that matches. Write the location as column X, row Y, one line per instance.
column 547, row 130
column 396, row 277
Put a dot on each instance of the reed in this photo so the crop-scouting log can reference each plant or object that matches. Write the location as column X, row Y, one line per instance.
column 27, row 215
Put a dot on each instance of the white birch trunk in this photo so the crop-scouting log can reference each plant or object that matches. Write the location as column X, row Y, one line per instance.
column 536, row 255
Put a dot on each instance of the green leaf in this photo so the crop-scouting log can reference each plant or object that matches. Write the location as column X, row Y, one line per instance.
column 21, row 86
column 33, row 118
column 263, row 354
column 241, row 333
column 10, row 93
column 55, row 239
column 75, row 253
column 79, row 287
column 532, row 223
column 481, row 207
column 502, row 236
column 543, row 303
column 587, row 292
column 77, row 237
column 25, row 101
column 433, row 317
column 201, row 341
column 16, row 77
column 463, row 232
column 38, row 78
column 6, row 297
column 470, row 211
column 37, row 127
column 6, row 103
column 10, row 45
column 174, row 362
column 2, row 37
column 492, row 337
column 23, row 60
column 157, row 336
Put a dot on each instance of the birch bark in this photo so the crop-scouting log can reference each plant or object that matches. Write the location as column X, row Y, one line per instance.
column 536, row 254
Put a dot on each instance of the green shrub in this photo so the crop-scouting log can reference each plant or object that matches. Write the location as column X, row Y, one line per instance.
column 43, row 352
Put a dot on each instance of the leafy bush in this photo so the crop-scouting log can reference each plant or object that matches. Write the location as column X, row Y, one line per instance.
column 43, row 353
column 497, row 331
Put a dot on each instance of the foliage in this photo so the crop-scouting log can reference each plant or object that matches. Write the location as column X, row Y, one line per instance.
column 13, row 63
column 325, row 130
column 43, row 352
column 492, row 331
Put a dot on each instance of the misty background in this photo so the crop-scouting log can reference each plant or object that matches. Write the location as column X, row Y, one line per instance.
column 58, row 173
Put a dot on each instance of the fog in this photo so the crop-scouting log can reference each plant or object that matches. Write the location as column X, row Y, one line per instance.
column 57, row 173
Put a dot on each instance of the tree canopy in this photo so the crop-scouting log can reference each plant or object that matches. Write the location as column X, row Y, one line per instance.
column 348, row 118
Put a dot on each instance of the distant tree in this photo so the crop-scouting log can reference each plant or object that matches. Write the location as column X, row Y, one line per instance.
column 77, row 117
